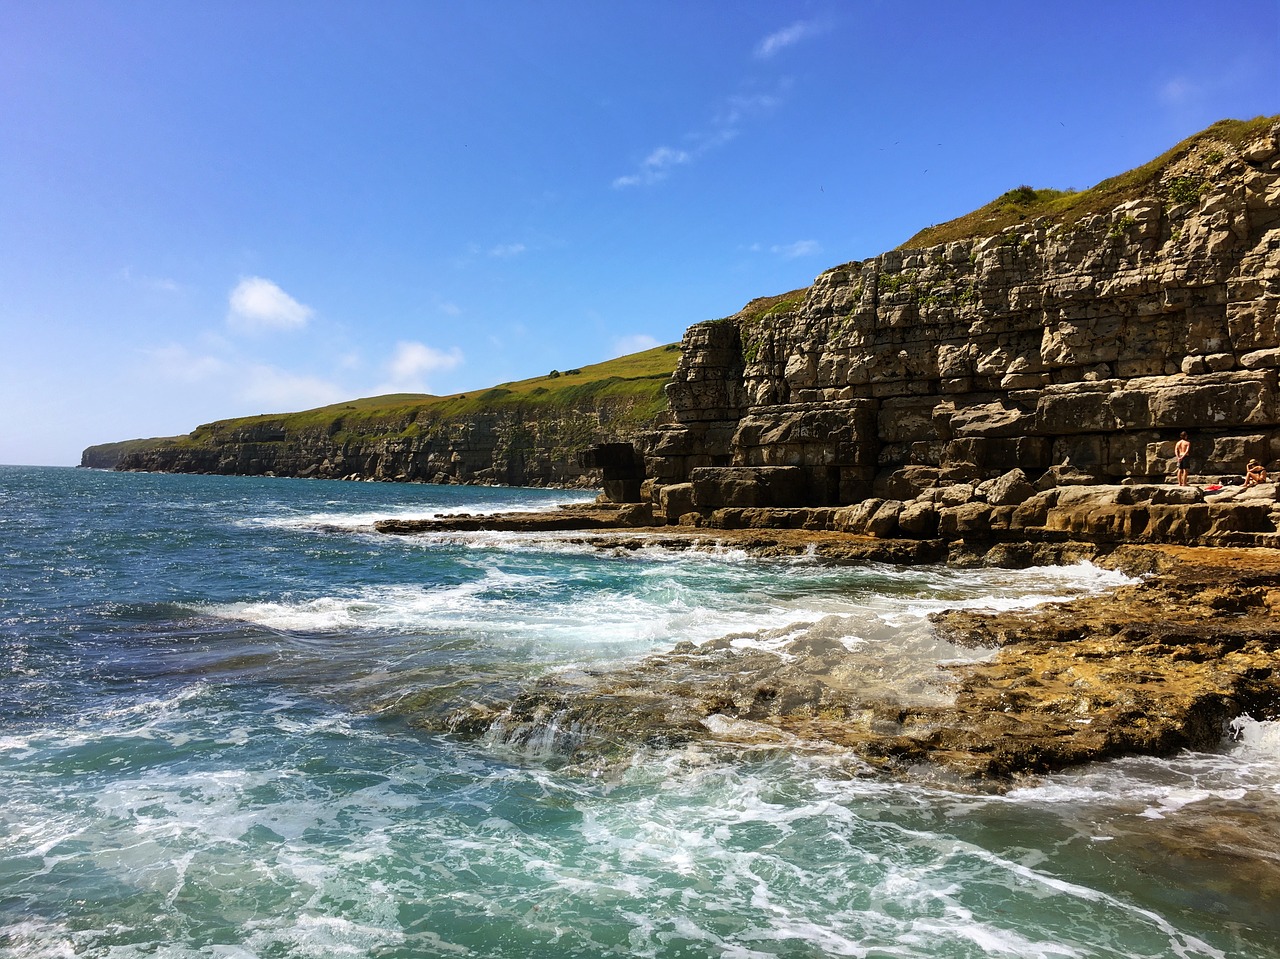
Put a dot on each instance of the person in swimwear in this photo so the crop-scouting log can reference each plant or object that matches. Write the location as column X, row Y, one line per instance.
column 1182, row 451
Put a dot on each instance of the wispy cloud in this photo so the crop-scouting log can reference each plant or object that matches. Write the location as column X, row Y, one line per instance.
column 1225, row 81
column 634, row 343
column 791, row 251
column 270, row 388
column 724, row 126
column 411, row 362
column 1178, row 90
column 787, row 37
column 265, row 388
column 503, row 250
column 656, row 166
column 158, row 284
column 176, row 362
column 258, row 305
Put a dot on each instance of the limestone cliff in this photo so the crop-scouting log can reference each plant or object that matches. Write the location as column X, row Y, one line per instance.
column 529, row 433
column 1077, row 341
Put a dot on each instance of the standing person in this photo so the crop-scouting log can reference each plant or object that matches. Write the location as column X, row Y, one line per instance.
column 1182, row 450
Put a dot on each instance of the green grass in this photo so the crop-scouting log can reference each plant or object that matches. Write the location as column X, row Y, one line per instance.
column 764, row 307
column 1206, row 150
column 629, row 388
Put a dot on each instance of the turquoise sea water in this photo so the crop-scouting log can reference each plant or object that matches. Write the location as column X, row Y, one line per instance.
column 207, row 694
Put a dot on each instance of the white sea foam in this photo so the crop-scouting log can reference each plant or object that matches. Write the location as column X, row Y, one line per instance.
column 348, row 520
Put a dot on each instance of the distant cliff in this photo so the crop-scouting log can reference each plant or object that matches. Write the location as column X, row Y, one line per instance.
column 529, row 433
column 1062, row 334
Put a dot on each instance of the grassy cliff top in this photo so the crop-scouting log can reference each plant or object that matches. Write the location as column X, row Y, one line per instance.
column 1176, row 175
column 633, row 383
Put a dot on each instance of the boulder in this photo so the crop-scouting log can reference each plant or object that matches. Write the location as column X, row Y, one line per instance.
column 1010, row 489
column 918, row 520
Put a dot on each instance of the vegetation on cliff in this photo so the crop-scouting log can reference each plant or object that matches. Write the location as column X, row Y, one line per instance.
column 629, row 389
column 1178, row 175
column 524, row 431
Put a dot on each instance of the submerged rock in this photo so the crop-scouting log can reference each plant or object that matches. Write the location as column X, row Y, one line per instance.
column 1153, row 667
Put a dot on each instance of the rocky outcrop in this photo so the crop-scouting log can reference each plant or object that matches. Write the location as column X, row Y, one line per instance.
column 1074, row 353
column 1163, row 664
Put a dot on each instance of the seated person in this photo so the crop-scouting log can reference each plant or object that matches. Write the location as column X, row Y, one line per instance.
column 1254, row 474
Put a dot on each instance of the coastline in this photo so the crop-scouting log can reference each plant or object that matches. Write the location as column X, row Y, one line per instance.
column 1162, row 664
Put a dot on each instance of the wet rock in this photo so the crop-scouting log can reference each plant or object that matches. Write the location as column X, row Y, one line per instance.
column 1151, row 668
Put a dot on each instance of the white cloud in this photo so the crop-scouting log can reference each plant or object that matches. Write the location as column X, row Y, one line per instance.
column 656, row 166
column 739, row 108
column 264, row 388
column 507, row 249
column 635, row 343
column 1177, row 91
column 412, row 359
column 411, row 362
column 178, row 363
column 786, row 37
column 158, row 284
column 791, row 251
column 722, row 128
column 257, row 304
column 274, row 390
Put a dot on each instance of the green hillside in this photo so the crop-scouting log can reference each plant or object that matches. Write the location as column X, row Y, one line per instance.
column 1178, row 175
column 632, row 385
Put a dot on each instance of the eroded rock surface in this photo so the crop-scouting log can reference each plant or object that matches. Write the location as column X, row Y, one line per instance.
column 1151, row 668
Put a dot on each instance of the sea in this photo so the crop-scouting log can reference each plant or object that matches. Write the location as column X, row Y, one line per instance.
column 220, row 736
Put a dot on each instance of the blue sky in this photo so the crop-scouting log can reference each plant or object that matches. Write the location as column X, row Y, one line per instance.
column 217, row 209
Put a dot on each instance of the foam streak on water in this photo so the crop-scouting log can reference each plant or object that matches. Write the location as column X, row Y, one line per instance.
column 198, row 758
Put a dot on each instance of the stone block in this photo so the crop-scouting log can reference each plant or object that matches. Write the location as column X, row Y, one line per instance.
column 918, row 520
column 622, row 490
column 1032, row 512
column 1210, row 402
column 854, row 519
column 883, row 523
column 855, row 483
column 1090, row 408
column 907, row 419
column 1083, row 452
column 970, row 521
column 905, row 483
column 748, row 487
column 1230, row 454
column 1261, row 359
column 1010, row 489
column 675, row 501
column 956, row 495
column 1000, row 418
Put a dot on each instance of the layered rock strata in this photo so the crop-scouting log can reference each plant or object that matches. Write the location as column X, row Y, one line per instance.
column 1083, row 348
column 514, row 447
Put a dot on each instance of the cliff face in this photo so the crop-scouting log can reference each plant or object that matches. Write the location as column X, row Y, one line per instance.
column 529, row 433
column 1084, row 347
column 518, row 446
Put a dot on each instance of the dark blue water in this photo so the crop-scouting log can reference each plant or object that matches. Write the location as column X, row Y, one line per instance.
column 210, row 745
